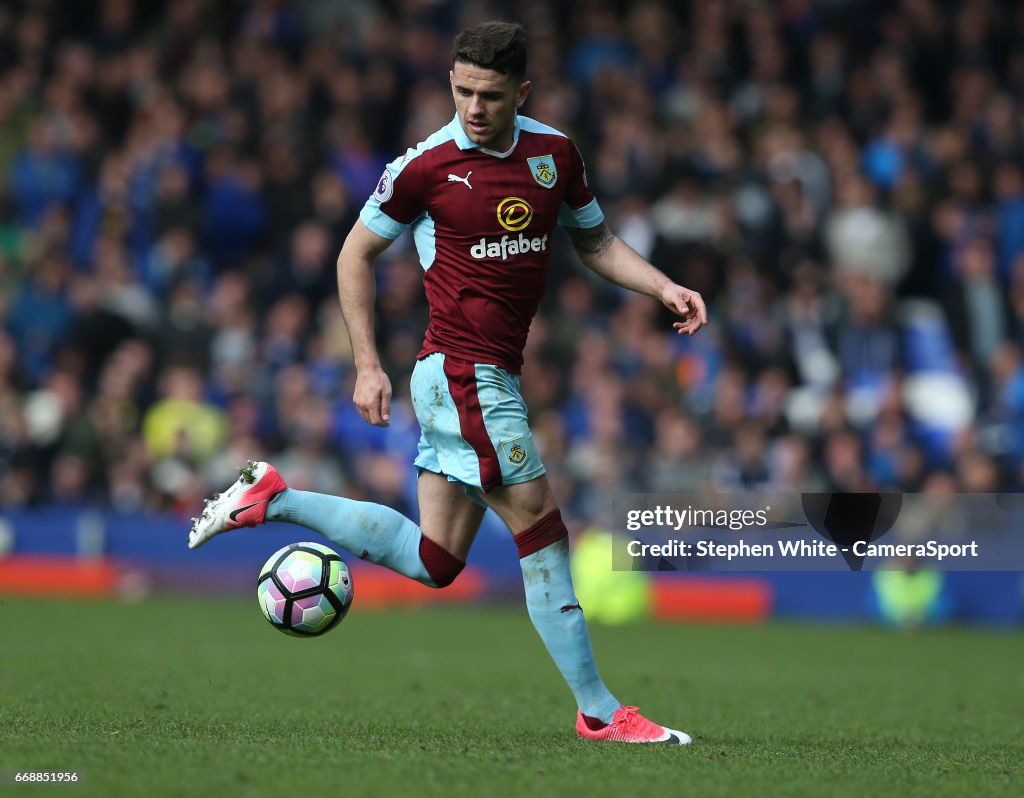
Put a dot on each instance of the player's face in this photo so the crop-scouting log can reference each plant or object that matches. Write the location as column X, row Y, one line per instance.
column 486, row 102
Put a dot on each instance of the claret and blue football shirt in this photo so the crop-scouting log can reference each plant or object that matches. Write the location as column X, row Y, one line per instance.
column 482, row 223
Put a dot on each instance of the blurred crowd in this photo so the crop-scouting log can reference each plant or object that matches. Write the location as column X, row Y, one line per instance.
column 842, row 180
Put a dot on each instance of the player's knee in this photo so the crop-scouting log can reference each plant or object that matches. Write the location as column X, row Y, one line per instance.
column 446, row 578
column 442, row 565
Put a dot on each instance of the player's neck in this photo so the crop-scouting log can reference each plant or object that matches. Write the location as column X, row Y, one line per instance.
column 503, row 144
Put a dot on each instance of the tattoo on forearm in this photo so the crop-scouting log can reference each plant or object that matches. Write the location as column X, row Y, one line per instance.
column 591, row 241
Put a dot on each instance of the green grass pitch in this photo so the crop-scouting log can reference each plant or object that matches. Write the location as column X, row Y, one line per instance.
column 197, row 697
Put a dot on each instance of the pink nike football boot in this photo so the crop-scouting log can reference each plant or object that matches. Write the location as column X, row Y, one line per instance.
column 243, row 504
column 629, row 726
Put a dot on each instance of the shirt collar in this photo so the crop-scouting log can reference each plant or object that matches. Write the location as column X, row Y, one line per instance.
column 464, row 142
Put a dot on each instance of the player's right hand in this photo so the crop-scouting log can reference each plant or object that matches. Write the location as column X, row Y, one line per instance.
column 372, row 396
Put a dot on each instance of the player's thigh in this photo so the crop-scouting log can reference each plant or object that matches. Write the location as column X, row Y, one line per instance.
column 447, row 515
column 474, row 423
column 522, row 504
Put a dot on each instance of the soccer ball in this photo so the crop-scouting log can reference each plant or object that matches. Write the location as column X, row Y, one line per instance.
column 305, row 589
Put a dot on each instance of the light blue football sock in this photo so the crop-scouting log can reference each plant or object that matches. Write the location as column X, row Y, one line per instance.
column 557, row 617
column 370, row 531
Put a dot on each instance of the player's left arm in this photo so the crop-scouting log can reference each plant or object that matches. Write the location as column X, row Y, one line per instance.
column 606, row 254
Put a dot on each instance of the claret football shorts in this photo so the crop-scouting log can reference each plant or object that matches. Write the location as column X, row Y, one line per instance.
column 474, row 423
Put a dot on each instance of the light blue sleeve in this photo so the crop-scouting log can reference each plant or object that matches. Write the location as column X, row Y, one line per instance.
column 372, row 214
column 397, row 199
column 590, row 215
column 379, row 222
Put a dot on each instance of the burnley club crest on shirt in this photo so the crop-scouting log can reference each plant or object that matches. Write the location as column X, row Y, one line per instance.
column 543, row 169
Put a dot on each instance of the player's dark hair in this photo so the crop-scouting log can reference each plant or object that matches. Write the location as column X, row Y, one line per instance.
column 500, row 46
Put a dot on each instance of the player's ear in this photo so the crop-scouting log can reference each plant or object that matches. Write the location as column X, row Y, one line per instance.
column 524, row 89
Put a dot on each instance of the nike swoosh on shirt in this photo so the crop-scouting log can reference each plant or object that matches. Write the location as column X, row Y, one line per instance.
column 233, row 515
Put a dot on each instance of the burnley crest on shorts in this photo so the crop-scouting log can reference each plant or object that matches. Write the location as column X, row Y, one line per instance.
column 543, row 169
column 514, row 452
